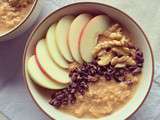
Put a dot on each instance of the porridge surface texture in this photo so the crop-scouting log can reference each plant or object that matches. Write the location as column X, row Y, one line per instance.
column 12, row 12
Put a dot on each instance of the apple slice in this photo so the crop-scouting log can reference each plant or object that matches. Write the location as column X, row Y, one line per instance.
column 76, row 28
column 53, row 49
column 90, row 33
column 47, row 66
column 62, row 30
column 39, row 78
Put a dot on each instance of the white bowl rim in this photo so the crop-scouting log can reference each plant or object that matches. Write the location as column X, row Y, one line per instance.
column 81, row 3
column 21, row 22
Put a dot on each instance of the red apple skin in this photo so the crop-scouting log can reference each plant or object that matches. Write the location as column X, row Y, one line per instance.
column 40, row 67
column 87, row 19
column 52, row 84
column 107, row 23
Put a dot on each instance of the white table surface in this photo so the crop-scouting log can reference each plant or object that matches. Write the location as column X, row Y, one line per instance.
column 15, row 101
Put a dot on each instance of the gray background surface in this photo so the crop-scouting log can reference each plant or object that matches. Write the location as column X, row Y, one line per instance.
column 15, row 101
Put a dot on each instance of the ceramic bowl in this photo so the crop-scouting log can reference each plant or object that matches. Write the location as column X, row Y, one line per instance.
column 26, row 23
column 41, row 96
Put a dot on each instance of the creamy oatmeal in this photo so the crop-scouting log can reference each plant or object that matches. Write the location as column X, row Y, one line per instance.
column 103, row 98
column 12, row 12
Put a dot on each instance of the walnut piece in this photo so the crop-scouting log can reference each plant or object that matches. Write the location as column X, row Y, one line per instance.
column 113, row 28
column 109, row 44
column 119, row 51
column 102, row 38
column 111, row 39
column 105, row 59
column 120, row 65
column 124, row 59
column 114, row 41
column 115, row 35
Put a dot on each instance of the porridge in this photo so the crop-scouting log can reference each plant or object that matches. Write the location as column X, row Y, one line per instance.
column 101, row 99
column 12, row 12
column 101, row 79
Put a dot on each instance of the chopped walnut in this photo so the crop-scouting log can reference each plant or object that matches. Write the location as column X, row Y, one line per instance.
column 113, row 28
column 116, row 42
column 102, row 38
column 105, row 59
column 109, row 44
column 119, row 51
column 124, row 51
column 115, row 35
column 100, row 46
column 120, row 65
column 121, row 41
column 124, row 59
column 124, row 41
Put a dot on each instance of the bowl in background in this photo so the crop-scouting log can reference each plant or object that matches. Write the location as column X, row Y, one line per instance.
column 41, row 96
column 25, row 24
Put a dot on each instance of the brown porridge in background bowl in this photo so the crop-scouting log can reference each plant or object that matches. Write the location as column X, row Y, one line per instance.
column 12, row 12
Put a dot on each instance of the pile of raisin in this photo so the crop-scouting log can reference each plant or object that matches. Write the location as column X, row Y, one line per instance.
column 80, row 78
column 87, row 72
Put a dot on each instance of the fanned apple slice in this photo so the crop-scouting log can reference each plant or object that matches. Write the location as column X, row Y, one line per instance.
column 62, row 30
column 89, row 36
column 39, row 78
column 53, row 49
column 75, row 31
column 47, row 66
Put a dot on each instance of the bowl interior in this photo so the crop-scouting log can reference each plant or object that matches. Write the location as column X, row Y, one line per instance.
column 39, row 94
